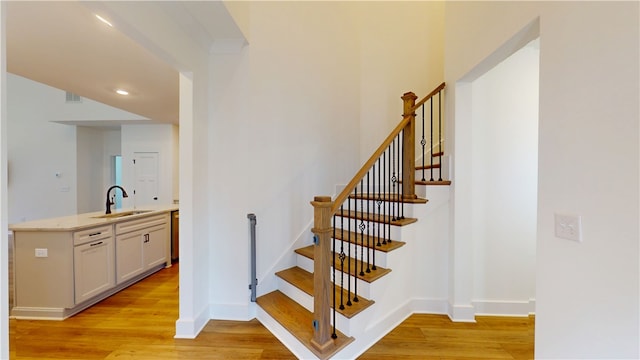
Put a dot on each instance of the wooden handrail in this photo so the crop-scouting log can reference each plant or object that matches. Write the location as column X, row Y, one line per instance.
column 342, row 197
column 426, row 98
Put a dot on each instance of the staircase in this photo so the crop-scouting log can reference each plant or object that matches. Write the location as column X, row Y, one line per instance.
column 350, row 286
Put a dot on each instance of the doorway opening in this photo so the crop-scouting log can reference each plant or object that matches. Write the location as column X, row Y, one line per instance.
column 504, row 126
column 495, row 190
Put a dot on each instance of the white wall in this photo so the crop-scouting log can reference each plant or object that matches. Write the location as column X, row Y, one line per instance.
column 587, row 303
column 400, row 49
column 284, row 111
column 90, row 169
column 40, row 148
column 505, row 178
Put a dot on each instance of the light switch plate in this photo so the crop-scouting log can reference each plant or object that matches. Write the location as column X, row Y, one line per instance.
column 568, row 227
column 42, row 253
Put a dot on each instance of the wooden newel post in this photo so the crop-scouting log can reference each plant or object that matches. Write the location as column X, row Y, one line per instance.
column 321, row 272
column 409, row 147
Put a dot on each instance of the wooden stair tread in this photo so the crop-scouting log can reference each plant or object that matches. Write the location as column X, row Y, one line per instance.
column 388, row 198
column 298, row 321
column 427, row 167
column 436, row 182
column 384, row 219
column 438, row 154
column 369, row 277
column 303, row 280
column 356, row 239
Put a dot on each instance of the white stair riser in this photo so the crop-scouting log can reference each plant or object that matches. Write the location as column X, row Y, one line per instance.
column 380, row 256
column 345, row 325
column 296, row 294
column 372, row 226
column 371, row 206
column 304, row 263
column 363, row 287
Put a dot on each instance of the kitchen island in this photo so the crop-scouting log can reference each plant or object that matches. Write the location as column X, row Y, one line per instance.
column 64, row 265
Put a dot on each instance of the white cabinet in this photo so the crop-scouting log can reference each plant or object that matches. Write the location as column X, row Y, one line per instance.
column 62, row 271
column 129, row 260
column 155, row 245
column 141, row 245
column 93, row 264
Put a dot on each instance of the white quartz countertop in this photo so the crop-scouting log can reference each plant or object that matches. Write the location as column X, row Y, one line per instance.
column 80, row 221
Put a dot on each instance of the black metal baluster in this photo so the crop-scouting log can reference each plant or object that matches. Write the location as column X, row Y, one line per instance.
column 355, row 242
column 334, row 335
column 362, row 227
column 388, row 180
column 392, row 190
column 439, row 133
column 423, row 142
column 379, row 202
column 342, row 256
column 431, row 145
column 393, row 179
column 349, row 253
column 400, row 169
column 369, row 199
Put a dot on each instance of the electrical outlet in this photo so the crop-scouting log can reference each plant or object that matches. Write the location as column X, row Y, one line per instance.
column 568, row 227
column 42, row 253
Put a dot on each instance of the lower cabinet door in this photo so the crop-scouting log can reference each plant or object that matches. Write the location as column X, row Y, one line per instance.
column 129, row 255
column 155, row 245
column 93, row 268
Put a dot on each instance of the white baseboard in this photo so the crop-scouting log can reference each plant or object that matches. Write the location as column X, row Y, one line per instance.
column 505, row 308
column 461, row 313
column 430, row 306
column 189, row 328
column 239, row 312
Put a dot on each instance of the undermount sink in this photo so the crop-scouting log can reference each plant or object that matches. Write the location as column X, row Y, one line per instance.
column 121, row 214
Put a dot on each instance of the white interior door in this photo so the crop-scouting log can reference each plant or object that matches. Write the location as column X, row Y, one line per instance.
column 145, row 166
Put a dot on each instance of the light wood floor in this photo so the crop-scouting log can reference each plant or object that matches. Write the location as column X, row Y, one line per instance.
column 139, row 323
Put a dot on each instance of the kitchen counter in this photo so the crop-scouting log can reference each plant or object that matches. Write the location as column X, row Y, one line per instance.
column 64, row 265
column 81, row 221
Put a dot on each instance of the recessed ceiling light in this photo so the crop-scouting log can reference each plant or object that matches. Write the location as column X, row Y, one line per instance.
column 122, row 92
column 104, row 20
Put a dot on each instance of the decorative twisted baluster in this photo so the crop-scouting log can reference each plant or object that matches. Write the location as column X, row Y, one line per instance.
column 342, row 256
column 362, row 227
column 369, row 222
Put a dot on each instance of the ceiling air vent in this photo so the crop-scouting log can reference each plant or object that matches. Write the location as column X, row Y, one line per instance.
column 73, row 98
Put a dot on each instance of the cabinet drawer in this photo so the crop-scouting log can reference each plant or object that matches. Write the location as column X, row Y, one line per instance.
column 133, row 225
column 97, row 233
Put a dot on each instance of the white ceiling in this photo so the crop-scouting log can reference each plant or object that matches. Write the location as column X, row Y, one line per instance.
column 62, row 44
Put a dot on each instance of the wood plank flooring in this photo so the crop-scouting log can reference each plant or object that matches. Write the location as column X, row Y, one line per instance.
column 424, row 336
column 139, row 323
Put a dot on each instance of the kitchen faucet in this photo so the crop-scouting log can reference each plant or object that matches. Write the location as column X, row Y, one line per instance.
column 110, row 201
